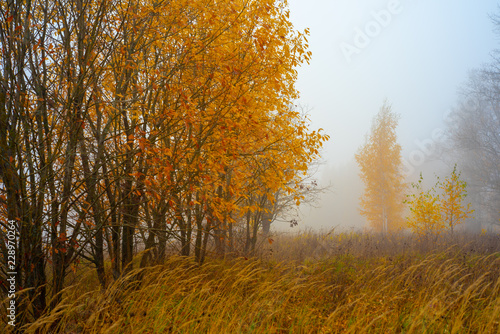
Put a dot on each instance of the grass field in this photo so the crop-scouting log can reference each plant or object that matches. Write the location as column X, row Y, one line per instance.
column 302, row 283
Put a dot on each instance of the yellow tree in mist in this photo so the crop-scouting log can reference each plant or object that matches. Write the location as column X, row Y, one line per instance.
column 432, row 213
column 425, row 218
column 380, row 163
column 454, row 192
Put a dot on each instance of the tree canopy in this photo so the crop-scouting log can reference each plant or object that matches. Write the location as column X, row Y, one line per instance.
column 143, row 123
column 380, row 164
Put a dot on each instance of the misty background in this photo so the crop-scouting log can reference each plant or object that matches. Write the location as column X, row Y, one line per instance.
column 415, row 54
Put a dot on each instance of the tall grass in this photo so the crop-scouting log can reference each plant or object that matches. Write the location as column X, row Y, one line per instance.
column 306, row 283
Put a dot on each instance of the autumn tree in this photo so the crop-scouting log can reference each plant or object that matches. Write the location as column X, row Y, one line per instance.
column 425, row 218
column 454, row 192
column 128, row 124
column 380, row 163
column 440, row 208
column 51, row 57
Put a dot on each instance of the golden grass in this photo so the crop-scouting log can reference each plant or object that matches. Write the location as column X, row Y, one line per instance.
column 401, row 289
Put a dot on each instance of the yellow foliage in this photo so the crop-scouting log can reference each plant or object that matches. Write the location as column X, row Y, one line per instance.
column 432, row 213
column 425, row 211
column 454, row 192
column 380, row 164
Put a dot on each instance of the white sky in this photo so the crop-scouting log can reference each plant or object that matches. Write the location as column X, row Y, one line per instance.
column 417, row 61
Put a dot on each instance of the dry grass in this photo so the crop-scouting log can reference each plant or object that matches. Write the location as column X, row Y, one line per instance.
column 308, row 283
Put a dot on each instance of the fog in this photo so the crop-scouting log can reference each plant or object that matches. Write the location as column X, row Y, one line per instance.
column 415, row 54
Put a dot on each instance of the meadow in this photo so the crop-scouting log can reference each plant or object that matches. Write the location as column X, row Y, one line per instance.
column 299, row 283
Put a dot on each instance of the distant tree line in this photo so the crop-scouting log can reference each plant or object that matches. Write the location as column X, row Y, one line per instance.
column 474, row 139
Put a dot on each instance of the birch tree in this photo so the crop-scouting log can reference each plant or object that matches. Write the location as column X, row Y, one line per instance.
column 380, row 165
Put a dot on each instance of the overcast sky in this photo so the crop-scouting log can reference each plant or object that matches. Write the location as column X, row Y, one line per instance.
column 415, row 53
column 417, row 61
